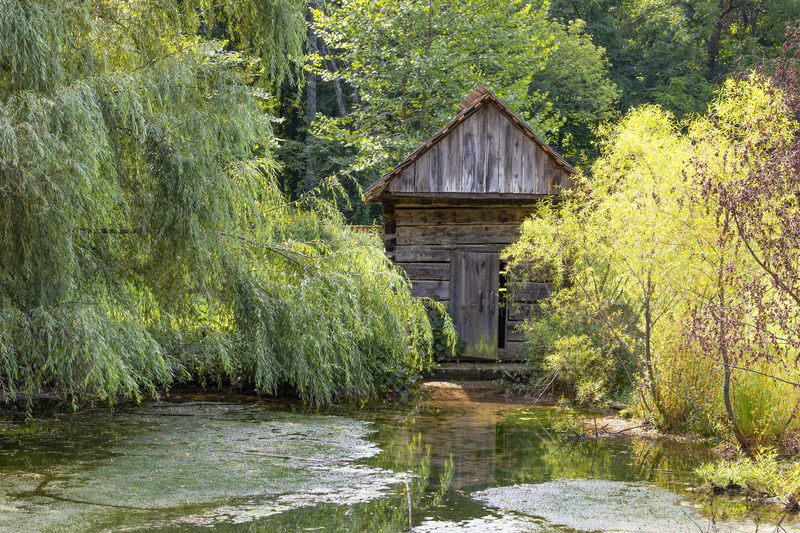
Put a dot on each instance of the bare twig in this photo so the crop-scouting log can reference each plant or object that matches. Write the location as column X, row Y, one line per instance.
column 744, row 369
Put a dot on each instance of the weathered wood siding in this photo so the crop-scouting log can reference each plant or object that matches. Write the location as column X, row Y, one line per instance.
column 475, row 302
column 469, row 191
column 421, row 238
column 485, row 154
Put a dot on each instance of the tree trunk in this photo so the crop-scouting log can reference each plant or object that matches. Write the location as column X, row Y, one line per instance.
column 311, row 99
column 725, row 354
column 337, row 85
column 648, row 333
column 714, row 40
column 726, row 394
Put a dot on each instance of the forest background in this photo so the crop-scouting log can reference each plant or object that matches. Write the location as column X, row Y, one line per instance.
column 178, row 179
column 674, row 255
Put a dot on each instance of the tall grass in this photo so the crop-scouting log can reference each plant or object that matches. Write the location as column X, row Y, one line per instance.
column 759, row 475
column 688, row 382
column 765, row 408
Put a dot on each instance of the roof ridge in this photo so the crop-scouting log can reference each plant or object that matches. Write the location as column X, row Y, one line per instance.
column 476, row 93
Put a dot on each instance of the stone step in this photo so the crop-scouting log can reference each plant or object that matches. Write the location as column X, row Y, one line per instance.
column 479, row 371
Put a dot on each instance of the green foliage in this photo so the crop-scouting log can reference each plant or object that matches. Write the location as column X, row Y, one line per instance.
column 411, row 63
column 575, row 82
column 143, row 239
column 74, row 348
column 612, row 240
column 569, row 341
column 674, row 53
column 340, row 322
column 647, row 266
column 445, row 344
column 763, row 475
column 577, row 360
column 689, row 384
column 764, row 408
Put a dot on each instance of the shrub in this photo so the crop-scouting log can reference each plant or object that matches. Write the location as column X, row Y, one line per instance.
column 763, row 475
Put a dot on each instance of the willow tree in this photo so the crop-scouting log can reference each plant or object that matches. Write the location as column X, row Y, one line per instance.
column 142, row 239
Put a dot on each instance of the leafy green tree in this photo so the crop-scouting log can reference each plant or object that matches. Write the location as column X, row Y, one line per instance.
column 143, row 239
column 576, row 84
column 679, row 248
column 410, row 63
column 613, row 240
column 405, row 67
column 748, row 178
column 675, row 53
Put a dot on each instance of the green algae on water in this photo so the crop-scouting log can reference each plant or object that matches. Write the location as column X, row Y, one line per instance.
column 170, row 461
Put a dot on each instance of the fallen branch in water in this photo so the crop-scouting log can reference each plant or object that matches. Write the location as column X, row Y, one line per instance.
column 288, row 457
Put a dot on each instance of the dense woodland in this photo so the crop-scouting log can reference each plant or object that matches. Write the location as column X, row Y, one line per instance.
column 177, row 179
column 383, row 76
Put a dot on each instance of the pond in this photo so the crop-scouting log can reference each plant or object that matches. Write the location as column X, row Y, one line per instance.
column 236, row 463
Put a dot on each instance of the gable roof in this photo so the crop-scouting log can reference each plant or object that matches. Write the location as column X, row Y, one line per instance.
column 472, row 102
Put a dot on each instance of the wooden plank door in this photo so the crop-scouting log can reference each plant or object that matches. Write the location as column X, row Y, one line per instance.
column 474, row 293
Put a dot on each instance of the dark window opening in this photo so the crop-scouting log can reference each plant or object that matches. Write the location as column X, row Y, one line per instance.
column 502, row 315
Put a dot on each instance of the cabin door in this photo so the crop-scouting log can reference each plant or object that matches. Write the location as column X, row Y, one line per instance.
column 474, row 301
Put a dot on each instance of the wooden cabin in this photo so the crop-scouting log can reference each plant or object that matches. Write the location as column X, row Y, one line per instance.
column 455, row 202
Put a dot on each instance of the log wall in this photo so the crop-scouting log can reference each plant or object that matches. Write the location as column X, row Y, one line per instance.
column 420, row 236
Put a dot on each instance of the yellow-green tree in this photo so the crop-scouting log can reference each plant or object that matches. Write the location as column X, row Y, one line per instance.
column 619, row 244
column 678, row 252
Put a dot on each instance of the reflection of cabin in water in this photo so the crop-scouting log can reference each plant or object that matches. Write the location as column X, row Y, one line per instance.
column 455, row 202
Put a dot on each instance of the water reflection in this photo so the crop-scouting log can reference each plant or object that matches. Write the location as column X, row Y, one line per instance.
column 495, row 444
column 240, row 464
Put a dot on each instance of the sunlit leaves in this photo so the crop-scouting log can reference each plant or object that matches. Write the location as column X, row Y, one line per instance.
column 142, row 237
column 575, row 81
column 693, row 237
column 412, row 62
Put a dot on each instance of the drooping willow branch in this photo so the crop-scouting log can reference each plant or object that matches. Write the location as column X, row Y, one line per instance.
column 113, row 231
